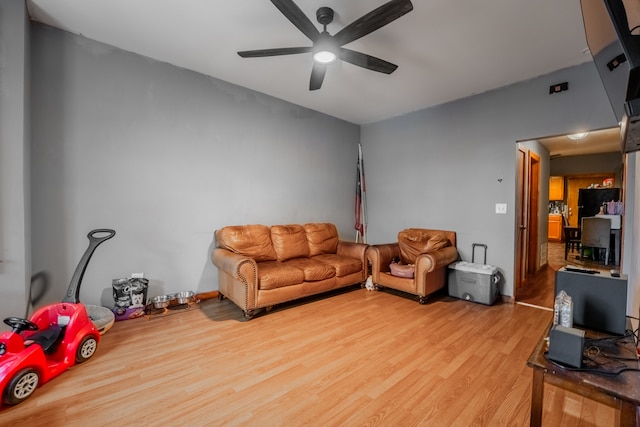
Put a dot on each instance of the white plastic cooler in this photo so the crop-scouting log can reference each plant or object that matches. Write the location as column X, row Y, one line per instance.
column 473, row 281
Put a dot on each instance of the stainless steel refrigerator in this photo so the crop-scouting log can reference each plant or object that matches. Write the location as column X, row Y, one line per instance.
column 590, row 200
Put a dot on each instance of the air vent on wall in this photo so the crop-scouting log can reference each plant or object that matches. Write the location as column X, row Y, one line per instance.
column 615, row 62
column 559, row 87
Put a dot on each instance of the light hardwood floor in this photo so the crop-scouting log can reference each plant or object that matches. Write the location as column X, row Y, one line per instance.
column 354, row 358
column 539, row 289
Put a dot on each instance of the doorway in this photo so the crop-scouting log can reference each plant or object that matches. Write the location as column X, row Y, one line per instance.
column 534, row 275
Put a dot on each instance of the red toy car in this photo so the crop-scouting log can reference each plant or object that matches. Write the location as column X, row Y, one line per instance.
column 56, row 337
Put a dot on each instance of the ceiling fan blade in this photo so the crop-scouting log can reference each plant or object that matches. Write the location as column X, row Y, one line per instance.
column 373, row 20
column 366, row 61
column 317, row 76
column 259, row 53
column 297, row 17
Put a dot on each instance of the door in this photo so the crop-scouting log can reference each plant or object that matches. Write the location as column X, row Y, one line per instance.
column 527, row 218
column 533, row 213
column 521, row 218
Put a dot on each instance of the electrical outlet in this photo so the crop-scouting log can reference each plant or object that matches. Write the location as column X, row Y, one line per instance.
column 501, row 208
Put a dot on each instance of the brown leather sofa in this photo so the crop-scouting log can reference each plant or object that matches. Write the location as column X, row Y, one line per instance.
column 260, row 266
column 431, row 251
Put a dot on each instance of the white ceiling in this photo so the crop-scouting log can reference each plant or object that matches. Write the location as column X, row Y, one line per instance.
column 444, row 49
column 595, row 142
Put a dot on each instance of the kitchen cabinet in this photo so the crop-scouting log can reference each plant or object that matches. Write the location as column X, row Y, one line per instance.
column 556, row 188
column 555, row 229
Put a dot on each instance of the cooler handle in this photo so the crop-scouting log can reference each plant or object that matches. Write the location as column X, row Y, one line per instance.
column 473, row 252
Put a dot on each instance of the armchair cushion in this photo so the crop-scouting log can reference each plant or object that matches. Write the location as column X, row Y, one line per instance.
column 402, row 270
column 417, row 241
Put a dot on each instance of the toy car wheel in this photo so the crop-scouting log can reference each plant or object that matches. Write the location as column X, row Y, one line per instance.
column 21, row 386
column 86, row 349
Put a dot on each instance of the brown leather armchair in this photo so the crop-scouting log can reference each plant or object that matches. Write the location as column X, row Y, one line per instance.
column 431, row 251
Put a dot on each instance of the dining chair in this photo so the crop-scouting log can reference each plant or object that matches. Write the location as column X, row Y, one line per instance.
column 572, row 240
column 595, row 233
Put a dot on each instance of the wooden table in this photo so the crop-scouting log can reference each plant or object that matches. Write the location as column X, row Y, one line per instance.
column 620, row 391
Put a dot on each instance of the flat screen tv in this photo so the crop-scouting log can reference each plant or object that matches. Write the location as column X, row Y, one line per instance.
column 599, row 300
column 612, row 30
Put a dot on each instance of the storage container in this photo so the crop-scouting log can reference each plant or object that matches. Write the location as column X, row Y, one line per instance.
column 473, row 281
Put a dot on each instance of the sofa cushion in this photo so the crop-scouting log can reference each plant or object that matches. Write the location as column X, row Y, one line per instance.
column 289, row 241
column 342, row 264
column 274, row 274
column 322, row 238
column 416, row 241
column 253, row 241
column 313, row 269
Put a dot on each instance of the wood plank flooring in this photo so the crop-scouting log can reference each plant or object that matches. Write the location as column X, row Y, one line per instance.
column 539, row 289
column 356, row 358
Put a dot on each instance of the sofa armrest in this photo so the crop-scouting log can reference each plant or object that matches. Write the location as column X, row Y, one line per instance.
column 352, row 250
column 436, row 259
column 237, row 266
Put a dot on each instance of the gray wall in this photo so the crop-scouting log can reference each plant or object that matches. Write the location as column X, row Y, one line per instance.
column 165, row 156
column 446, row 167
column 15, row 258
column 592, row 163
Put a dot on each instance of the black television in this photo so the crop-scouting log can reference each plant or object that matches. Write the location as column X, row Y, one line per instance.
column 612, row 30
column 599, row 299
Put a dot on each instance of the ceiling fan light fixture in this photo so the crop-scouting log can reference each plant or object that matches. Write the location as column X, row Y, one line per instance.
column 327, row 48
column 324, row 57
column 578, row 136
column 324, row 50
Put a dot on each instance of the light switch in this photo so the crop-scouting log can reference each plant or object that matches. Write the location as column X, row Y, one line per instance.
column 501, row 208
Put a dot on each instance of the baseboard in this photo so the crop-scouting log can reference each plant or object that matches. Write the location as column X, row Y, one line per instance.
column 207, row 295
column 508, row 299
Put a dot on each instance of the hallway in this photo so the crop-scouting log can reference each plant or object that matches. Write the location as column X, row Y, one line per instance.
column 538, row 290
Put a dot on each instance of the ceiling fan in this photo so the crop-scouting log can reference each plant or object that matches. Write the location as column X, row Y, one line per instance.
column 326, row 47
